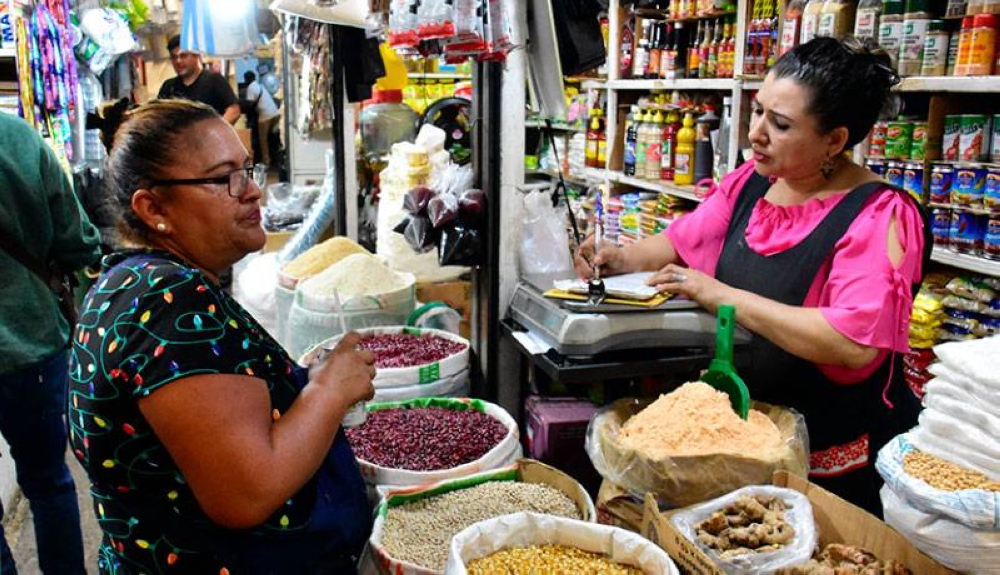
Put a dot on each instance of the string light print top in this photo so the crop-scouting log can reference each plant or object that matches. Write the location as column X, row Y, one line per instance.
column 152, row 320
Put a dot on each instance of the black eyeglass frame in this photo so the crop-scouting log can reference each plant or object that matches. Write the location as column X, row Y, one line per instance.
column 226, row 178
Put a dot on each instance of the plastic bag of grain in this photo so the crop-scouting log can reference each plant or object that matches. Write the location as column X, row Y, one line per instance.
column 414, row 526
column 407, row 356
column 691, row 446
column 473, row 547
column 797, row 514
column 420, row 441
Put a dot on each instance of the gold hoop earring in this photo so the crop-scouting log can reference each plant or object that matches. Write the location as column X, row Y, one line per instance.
column 827, row 166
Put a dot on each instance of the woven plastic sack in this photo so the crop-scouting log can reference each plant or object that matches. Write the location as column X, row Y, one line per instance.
column 944, row 435
column 974, row 508
column 504, row 453
column 683, row 481
column 799, row 515
column 949, row 542
column 523, row 529
column 386, row 377
column 454, row 386
column 392, row 497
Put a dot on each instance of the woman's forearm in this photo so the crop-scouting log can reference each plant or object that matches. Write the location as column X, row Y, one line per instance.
column 649, row 254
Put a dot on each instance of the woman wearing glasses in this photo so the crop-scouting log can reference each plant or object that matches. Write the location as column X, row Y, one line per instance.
column 208, row 450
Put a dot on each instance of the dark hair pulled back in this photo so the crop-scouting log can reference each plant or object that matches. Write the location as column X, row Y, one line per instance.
column 146, row 143
column 850, row 82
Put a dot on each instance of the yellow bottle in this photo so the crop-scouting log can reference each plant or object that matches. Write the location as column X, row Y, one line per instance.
column 684, row 158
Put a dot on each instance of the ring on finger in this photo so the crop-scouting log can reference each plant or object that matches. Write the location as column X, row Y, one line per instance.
column 678, row 278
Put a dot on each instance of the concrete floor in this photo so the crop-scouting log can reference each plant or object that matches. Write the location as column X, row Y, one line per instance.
column 21, row 531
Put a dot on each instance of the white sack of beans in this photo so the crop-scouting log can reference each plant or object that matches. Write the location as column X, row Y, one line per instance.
column 309, row 327
column 523, row 529
column 407, row 356
column 453, row 386
column 437, row 511
column 393, row 451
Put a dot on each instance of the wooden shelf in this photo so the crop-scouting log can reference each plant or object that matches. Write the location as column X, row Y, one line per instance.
column 960, row 208
column 682, row 84
column 966, row 262
column 556, row 127
column 965, row 84
column 685, row 192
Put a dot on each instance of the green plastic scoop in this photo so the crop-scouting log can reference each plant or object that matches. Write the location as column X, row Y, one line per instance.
column 721, row 373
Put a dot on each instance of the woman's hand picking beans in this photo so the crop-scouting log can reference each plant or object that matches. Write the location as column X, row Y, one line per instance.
column 349, row 369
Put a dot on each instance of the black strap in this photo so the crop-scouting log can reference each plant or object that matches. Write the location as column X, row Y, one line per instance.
column 16, row 251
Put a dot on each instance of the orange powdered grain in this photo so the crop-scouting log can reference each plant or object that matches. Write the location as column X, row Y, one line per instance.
column 695, row 419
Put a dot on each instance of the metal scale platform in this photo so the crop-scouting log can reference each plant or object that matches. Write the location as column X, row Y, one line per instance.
column 607, row 340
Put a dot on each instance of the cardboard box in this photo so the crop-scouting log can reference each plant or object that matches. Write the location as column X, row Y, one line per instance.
column 837, row 521
column 457, row 294
column 618, row 508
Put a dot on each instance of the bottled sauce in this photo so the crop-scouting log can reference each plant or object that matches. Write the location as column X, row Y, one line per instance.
column 654, row 147
column 703, row 153
column 602, row 142
column 791, row 25
column 590, row 152
column 890, row 28
column 684, row 155
column 641, row 57
column 628, row 161
column 916, row 20
column 640, row 143
column 727, row 51
column 810, row 20
column 767, row 31
column 836, row 18
column 694, row 53
column 712, row 51
column 935, row 60
column 867, row 19
column 680, row 50
column 655, row 50
column 625, row 48
column 705, row 52
column 751, row 55
column 667, row 59
column 669, row 151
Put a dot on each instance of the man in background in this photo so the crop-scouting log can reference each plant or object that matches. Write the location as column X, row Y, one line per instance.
column 42, row 221
column 194, row 82
column 265, row 138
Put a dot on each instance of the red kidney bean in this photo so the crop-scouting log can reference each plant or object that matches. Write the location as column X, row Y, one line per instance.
column 425, row 438
column 405, row 350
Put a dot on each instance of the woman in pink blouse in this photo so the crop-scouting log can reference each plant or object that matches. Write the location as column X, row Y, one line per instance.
column 818, row 254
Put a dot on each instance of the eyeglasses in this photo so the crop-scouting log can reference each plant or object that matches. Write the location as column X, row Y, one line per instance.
column 237, row 181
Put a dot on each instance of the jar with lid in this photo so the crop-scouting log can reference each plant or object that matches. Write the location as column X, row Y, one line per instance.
column 916, row 21
column 866, row 22
column 385, row 121
column 836, row 19
column 890, row 28
column 810, row 20
column 935, row 61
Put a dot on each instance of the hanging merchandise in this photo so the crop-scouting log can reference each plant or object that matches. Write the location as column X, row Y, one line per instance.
column 104, row 35
column 454, row 29
column 352, row 13
column 223, row 29
column 311, row 40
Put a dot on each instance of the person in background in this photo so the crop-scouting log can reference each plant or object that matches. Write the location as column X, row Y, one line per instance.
column 819, row 256
column 267, row 116
column 194, row 82
column 39, row 211
column 208, row 449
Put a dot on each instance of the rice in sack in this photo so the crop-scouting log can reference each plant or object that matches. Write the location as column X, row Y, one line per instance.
column 689, row 445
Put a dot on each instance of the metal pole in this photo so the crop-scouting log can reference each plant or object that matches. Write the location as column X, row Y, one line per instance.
column 338, row 102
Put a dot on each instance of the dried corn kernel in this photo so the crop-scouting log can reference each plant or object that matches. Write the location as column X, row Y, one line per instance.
column 548, row 559
column 945, row 475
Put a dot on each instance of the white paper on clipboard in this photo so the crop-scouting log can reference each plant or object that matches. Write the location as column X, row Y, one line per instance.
column 626, row 286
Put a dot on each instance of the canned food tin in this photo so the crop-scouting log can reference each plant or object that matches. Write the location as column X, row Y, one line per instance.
column 991, row 241
column 950, row 136
column 898, row 140
column 967, row 185
column 991, row 188
column 967, row 232
column 876, row 145
column 913, row 178
column 972, row 136
column 918, row 143
column 995, row 140
column 876, row 165
column 940, row 187
column 894, row 173
column 941, row 226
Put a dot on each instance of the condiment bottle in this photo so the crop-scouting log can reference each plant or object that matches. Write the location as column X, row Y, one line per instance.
column 684, row 158
column 654, row 150
column 640, row 142
column 935, row 61
column 836, row 18
column 669, row 152
column 590, row 152
column 655, row 51
column 667, row 60
column 628, row 161
column 916, row 20
column 867, row 19
column 982, row 46
column 810, row 20
column 641, row 56
column 704, row 154
column 890, row 28
column 625, row 44
column 602, row 141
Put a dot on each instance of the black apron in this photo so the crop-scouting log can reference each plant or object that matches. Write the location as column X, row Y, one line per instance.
column 847, row 424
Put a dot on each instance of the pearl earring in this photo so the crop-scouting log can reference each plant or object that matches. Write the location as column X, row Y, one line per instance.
column 161, row 227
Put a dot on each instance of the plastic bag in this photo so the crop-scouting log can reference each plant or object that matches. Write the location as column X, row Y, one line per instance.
column 971, row 289
column 978, row 361
column 964, row 549
column 544, row 242
column 974, row 508
column 944, row 436
column 460, row 246
column 288, row 205
column 799, row 515
column 420, row 234
column 442, row 209
column 254, row 289
column 523, row 529
column 218, row 33
column 682, row 481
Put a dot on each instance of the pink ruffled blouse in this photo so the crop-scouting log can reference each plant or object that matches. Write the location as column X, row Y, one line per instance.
column 858, row 289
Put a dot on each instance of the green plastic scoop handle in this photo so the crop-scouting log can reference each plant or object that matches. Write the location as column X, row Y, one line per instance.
column 721, row 373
